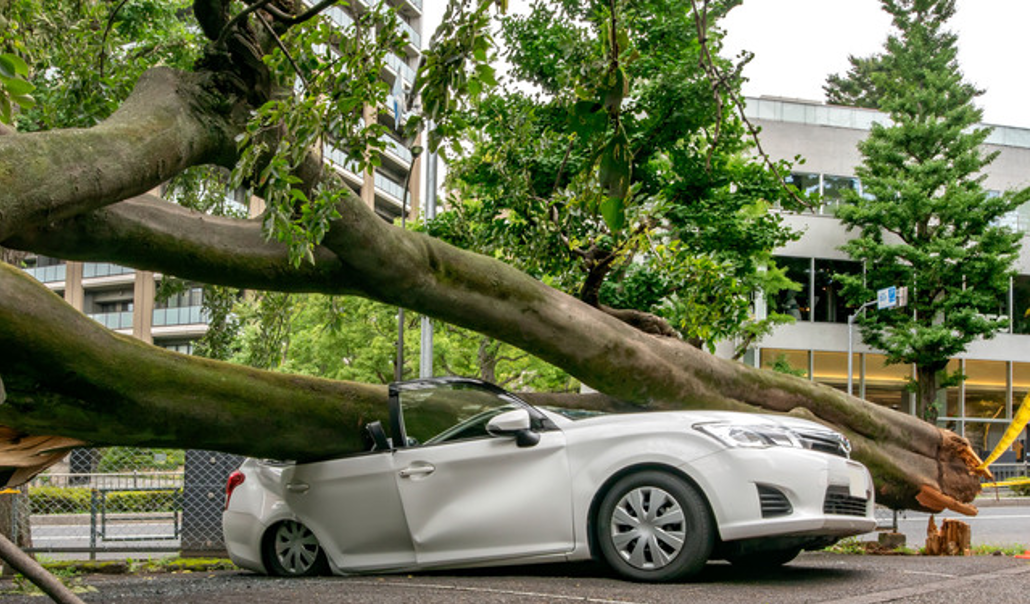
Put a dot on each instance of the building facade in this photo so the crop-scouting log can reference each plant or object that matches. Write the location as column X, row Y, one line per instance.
column 817, row 344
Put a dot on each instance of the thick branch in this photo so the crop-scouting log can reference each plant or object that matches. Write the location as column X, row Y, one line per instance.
column 466, row 289
column 167, row 124
column 66, row 374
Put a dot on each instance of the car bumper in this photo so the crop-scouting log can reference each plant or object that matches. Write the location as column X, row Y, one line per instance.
column 785, row 492
column 242, row 532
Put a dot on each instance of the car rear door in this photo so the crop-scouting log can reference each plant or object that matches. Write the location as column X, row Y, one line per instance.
column 353, row 507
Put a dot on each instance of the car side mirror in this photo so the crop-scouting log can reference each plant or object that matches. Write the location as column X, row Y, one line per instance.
column 514, row 423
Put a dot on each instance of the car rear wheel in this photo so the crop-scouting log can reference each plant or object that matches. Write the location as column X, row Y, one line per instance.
column 654, row 526
column 292, row 550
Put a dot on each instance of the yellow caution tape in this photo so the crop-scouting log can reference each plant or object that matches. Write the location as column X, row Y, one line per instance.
column 1012, row 482
column 1020, row 419
column 9, row 492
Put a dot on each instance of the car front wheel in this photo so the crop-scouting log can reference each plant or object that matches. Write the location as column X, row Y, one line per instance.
column 292, row 550
column 654, row 526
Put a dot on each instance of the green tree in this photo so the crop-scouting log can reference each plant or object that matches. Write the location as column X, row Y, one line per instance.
column 925, row 220
column 857, row 88
column 267, row 90
column 625, row 179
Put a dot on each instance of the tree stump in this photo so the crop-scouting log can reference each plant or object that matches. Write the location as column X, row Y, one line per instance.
column 953, row 539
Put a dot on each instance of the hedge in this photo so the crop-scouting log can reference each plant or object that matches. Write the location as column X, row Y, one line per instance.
column 76, row 500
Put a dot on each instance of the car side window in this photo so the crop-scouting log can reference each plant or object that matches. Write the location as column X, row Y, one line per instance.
column 450, row 413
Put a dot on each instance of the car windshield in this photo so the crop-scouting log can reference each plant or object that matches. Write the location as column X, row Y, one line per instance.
column 449, row 412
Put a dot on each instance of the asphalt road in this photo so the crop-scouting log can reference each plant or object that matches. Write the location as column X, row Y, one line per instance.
column 813, row 578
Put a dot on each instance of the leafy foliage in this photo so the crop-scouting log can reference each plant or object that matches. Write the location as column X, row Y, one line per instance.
column 925, row 219
column 620, row 176
column 83, row 57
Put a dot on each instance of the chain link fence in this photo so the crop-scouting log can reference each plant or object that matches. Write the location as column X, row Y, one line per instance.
column 122, row 501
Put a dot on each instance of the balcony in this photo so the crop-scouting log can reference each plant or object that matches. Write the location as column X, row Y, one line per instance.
column 48, row 274
column 182, row 315
column 401, row 68
column 390, row 187
column 92, row 270
column 395, row 147
column 113, row 320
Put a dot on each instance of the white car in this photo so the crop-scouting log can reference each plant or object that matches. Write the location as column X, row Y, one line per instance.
column 474, row 476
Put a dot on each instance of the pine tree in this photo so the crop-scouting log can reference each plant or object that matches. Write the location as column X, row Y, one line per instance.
column 924, row 217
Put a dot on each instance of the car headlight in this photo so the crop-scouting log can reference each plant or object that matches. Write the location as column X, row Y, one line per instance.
column 816, row 438
column 755, row 437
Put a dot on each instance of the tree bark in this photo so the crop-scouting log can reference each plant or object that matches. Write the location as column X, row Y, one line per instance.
column 171, row 121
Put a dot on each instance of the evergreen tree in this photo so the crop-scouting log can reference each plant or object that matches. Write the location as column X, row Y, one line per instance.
column 924, row 217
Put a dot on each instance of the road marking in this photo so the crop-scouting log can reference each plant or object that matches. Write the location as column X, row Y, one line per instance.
column 924, row 572
column 488, row 590
column 893, row 595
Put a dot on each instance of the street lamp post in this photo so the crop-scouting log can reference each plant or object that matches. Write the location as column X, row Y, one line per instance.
column 851, row 320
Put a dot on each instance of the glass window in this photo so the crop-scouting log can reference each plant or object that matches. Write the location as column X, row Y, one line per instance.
column 831, row 368
column 1020, row 384
column 808, row 184
column 951, row 395
column 450, row 412
column 794, row 362
column 833, row 191
column 795, row 304
column 986, row 389
column 983, row 436
column 829, row 304
column 885, row 384
column 1021, row 303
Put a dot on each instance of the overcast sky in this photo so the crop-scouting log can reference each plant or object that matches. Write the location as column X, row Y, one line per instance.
column 797, row 43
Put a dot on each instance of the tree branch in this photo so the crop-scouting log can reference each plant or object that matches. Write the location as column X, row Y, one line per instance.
column 165, row 126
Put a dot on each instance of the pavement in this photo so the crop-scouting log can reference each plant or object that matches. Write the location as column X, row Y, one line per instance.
column 813, row 578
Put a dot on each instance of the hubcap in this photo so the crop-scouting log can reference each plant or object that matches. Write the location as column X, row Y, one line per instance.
column 647, row 528
column 296, row 547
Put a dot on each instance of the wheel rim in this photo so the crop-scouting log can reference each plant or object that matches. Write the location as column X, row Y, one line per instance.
column 296, row 547
column 647, row 528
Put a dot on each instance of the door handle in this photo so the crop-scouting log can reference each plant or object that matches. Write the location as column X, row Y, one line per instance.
column 297, row 487
column 420, row 469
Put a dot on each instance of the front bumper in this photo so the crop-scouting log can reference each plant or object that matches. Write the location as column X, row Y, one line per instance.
column 785, row 492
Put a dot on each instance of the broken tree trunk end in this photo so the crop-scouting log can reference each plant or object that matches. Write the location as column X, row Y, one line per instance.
column 953, row 539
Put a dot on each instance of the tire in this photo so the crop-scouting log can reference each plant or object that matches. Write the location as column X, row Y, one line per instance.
column 291, row 550
column 673, row 540
column 768, row 560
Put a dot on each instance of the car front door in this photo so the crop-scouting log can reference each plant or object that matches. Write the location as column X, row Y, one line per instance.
column 469, row 496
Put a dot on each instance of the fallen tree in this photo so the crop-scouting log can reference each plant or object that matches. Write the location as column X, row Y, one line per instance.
column 80, row 194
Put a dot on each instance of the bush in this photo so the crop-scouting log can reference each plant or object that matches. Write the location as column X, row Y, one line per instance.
column 76, row 500
column 127, row 459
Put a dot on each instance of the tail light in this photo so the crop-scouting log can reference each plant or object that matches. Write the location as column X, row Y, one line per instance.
column 235, row 479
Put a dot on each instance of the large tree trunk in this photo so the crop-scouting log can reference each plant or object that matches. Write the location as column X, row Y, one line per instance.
column 67, row 375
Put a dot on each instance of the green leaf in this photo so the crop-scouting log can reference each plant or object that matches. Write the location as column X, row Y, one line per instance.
column 12, row 66
column 7, row 67
column 612, row 211
column 5, row 109
column 25, row 101
column 17, row 86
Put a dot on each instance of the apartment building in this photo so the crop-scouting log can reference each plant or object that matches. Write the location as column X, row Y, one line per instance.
column 817, row 344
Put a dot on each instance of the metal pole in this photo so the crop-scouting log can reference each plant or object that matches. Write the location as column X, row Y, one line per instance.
column 426, row 331
column 851, row 320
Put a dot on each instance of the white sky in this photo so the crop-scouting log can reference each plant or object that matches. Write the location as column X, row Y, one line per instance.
column 798, row 43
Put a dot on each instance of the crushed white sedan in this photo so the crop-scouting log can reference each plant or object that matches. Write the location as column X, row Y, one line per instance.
column 471, row 475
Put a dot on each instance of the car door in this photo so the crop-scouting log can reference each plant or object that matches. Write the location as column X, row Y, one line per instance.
column 353, row 507
column 474, row 497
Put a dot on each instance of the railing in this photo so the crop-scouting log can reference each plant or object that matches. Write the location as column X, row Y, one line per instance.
column 390, row 187
column 49, row 274
column 104, row 269
column 113, row 320
column 182, row 315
